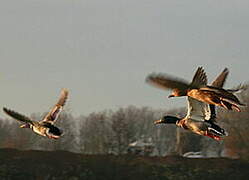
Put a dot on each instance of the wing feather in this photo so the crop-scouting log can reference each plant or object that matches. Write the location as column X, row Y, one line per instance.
column 221, row 79
column 200, row 78
column 52, row 116
column 164, row 81
column 17, row 116
column 196, row 109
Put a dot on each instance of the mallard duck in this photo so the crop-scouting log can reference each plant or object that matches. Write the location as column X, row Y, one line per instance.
column 201, row 117
column 197, row 89
column 46, row 126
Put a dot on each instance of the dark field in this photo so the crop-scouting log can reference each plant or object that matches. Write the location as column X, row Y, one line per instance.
column 15, row 164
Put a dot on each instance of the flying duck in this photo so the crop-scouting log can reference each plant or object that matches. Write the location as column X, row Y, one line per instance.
column 46, row 126
column 197, row 89
column 201, row 117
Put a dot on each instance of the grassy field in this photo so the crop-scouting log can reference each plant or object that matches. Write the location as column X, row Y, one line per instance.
column 44, row 165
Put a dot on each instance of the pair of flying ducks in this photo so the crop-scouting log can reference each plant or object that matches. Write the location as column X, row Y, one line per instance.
column 202, row 99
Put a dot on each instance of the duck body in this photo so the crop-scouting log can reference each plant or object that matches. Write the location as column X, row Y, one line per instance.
column 46, row 130
column 203, row 128
column 37, row 128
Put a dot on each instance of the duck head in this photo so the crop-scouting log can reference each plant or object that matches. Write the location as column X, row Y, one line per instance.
column 167, row 120
column 177, row 93
column 25, row 126
column 54, row 132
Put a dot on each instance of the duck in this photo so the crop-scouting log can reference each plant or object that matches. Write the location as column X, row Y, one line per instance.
column 197, row 89
column 201, row 117
column 44, row 127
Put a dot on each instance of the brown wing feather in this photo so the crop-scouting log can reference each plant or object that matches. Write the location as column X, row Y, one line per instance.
column 166, row 82
column 200, row 78
column 54, row 113
column 17, row 116
column 221, row 79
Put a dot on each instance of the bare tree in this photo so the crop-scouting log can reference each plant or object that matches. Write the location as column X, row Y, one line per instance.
column 95, row 134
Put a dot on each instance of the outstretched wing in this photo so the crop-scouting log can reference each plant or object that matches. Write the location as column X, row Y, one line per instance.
column 196, row 109
column 17, row 116
column 200, row 78
column 54, row 113
column 164, row 81
column 221, row 79
column 219, row 83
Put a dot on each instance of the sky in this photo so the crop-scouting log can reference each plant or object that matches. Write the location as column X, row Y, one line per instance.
column 102, row 51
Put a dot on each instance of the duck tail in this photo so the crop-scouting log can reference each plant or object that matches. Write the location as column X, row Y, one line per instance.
column 239, row 88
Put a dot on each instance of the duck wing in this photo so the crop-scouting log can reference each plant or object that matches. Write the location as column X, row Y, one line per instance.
column 196, row 109
column 200, row 78
column 18, row 116
column 165, row 81
column 219, row 83
column 221, row 79
column 52, row 116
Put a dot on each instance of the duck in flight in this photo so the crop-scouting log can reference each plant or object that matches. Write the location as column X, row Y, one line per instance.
column 197, row 89
column 201, row 117
column 46, row 126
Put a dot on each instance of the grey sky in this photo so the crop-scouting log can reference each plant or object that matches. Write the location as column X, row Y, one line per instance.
column 102, row 50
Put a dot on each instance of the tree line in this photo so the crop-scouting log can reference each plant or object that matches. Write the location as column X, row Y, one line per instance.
column 110, row 132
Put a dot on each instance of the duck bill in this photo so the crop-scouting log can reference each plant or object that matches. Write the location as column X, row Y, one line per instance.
column 24, row 126
column 158, row 121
